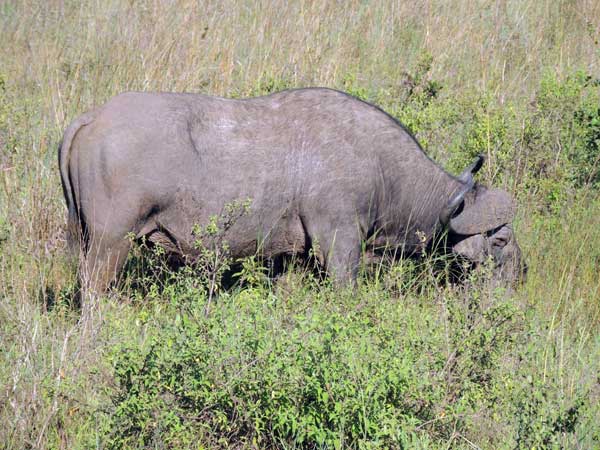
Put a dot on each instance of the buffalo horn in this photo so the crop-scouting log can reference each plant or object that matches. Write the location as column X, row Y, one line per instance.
column 468, row 173
column 455, row 202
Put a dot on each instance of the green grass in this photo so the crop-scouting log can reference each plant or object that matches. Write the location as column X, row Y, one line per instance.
column 403, row 361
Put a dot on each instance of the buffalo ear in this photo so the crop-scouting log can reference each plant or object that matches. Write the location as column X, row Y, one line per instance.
column 486, row 210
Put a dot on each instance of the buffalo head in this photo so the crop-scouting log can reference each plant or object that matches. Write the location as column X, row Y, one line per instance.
column 479, row 224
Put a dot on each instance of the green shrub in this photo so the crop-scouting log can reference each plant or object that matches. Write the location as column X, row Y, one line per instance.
column 301, row 371
column 548, row 148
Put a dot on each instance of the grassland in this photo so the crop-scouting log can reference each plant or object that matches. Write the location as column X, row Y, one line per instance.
column 403, row 361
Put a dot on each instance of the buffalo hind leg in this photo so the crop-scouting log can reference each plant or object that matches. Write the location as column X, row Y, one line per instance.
column 103, row 262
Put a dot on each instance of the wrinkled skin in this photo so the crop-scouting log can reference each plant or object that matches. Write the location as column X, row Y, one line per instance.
column 321, row 169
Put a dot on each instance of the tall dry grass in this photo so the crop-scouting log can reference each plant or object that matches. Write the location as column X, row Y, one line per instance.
column 75, row 54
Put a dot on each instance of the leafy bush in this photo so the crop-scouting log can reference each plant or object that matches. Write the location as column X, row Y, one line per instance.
column 548, row 148
column 261, row 369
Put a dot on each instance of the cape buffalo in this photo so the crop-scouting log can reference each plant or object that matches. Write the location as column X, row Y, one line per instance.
column 319, row 167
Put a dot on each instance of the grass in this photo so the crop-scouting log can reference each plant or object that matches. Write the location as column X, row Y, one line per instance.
column 401, row 362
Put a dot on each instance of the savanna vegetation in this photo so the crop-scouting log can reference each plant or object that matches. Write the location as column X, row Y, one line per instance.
column 172, row 359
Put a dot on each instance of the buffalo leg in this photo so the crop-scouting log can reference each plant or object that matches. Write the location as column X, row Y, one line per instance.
column 103, row 262
column 342, row 259
column 339, row 250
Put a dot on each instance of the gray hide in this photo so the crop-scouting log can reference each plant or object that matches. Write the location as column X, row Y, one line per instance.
column 319, row 166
